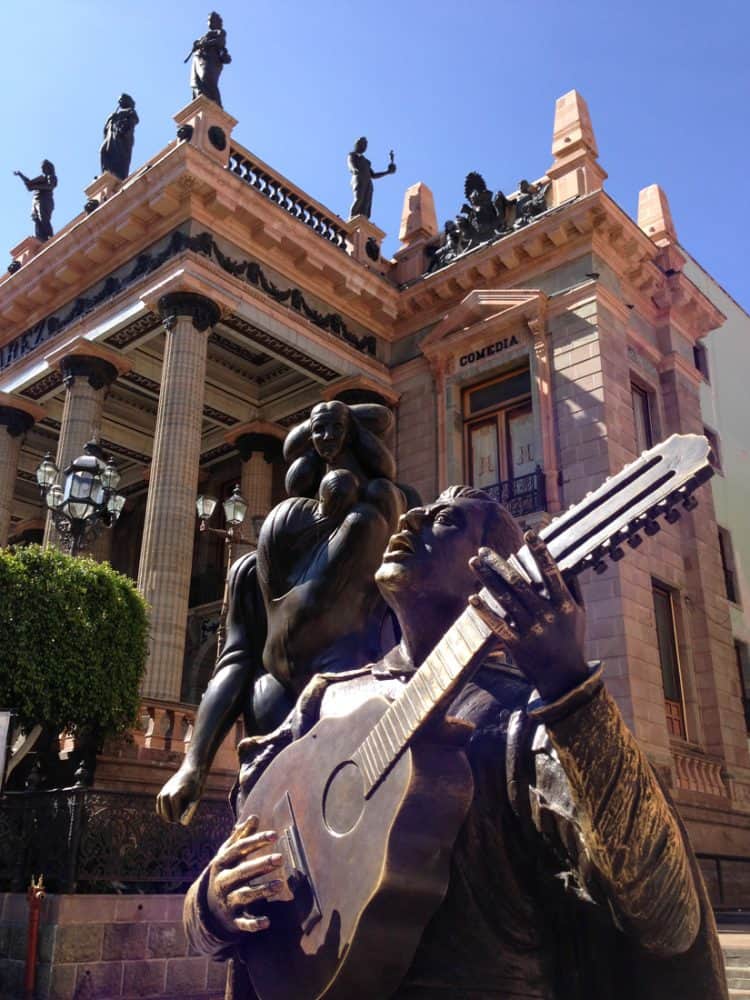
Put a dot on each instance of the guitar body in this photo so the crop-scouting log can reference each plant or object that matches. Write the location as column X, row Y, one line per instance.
column 364, row 875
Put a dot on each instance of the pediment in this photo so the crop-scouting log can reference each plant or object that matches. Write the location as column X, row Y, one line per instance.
column 484, row 309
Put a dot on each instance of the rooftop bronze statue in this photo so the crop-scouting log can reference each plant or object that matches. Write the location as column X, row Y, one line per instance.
column 43, row 202
column 362, row 177
column 566, row 872
column 119, row 135
column 484, row 211
column 306, row 601
column 208, row 57
column 530, row 202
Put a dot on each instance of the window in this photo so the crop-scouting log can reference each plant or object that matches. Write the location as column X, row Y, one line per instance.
column 743, row 665
column 700, row 358
column 501, row 441
column 727, row 564
column 714, row 456
column 644, row 437
column 670, row 661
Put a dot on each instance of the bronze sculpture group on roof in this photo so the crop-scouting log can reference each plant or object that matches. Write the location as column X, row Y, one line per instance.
column 485, row 217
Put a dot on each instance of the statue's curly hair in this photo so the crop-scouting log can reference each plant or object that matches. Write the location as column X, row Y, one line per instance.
column 474, row 182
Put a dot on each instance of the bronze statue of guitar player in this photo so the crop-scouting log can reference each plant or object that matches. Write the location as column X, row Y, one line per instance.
column 450, row 826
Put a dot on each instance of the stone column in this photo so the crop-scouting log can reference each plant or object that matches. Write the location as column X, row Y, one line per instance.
column 257, row 451
column 86, row 379
column 167, row 549
column 15, row 419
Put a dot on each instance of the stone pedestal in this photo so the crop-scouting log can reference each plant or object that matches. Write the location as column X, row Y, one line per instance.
column 169, row 529
column 365, row 239
column 16, row 417
column 206, row 126
column 26, row 249
column 102, row 188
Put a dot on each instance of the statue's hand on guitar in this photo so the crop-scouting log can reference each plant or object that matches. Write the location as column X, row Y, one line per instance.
column 542, row 631
column 244, row 856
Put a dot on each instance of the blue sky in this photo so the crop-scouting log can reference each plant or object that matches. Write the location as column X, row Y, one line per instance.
column 452, row 87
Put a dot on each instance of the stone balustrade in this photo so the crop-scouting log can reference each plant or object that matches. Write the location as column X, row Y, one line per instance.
column 287, row 196
column 166, row 726
column 697, row 773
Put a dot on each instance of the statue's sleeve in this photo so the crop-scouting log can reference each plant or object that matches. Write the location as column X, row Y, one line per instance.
column 595, row 788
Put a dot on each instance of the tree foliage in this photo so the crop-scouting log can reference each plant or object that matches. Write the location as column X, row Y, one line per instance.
column 73, row 641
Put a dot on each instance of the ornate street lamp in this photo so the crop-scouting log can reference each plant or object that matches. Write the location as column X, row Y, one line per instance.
column 235, row 509
column 86, row 501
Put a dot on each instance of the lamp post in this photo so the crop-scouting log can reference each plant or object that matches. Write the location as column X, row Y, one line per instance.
column 86, row 501
column 235, row 509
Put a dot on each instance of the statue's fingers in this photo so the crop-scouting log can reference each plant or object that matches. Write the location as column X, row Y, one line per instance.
column 252, row 893
column 502, row 629
column 500, row 590
column 521, row 588
column 233, row 854
column 549, row 570
column 234, row 878
column 243, row 828
column 252, row 924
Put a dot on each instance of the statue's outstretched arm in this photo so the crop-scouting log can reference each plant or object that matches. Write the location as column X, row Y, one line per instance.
column 227, row 694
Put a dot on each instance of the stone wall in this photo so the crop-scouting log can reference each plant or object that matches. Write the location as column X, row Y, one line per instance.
column 105, row 946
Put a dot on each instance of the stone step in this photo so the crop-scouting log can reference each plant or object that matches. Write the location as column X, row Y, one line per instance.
column 739, row 994
column 738, row 979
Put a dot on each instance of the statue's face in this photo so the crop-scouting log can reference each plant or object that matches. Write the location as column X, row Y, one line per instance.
column 329, row 428
column 214, row 22
column 431, row 550
column 360, row 145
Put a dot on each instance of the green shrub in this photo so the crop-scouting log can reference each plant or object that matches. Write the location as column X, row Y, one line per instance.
column 73, row 641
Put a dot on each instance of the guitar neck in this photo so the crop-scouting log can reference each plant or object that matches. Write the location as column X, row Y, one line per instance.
column 591, row 530
column 463, row 647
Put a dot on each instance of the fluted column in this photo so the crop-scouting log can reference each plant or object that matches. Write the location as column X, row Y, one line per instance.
column 167, row 549
column 257, row 451
column 86, row 379
column 15, row 420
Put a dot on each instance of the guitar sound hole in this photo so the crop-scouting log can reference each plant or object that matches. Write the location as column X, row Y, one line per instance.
column 344, row 799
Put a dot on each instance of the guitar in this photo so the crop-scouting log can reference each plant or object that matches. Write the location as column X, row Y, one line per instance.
column 365, row 838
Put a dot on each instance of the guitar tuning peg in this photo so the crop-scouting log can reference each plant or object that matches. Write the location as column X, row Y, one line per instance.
column 635, row 540
column 600, row 566
column 651, row 527
column 690, row 503
column 672, row 516
column 616, row 553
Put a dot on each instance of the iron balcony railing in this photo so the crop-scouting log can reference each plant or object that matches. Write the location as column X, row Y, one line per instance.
column 521, row 496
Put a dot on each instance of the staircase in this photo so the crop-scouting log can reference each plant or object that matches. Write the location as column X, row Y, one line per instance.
column 736, row 949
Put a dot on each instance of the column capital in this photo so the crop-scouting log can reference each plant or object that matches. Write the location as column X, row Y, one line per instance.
column 201, row 311
column 253, row 442
column 18, row 415
column 98, row 373
column 90, row 360
column 361, row 389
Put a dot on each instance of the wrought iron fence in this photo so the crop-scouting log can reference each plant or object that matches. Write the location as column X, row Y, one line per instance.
column 290, row 200
column 84, row 840
column 521, row 496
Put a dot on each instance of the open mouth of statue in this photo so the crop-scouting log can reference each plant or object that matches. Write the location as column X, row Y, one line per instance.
column 400, row 544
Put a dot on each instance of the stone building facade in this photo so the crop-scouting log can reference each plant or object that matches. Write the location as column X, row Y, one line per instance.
column 207, row 303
